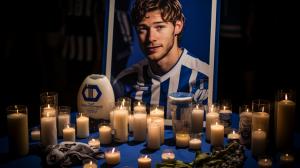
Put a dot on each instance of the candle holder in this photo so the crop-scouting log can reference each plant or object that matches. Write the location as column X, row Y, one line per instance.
column 211, row 117
column 139, row 106
column 89, row 163
column 17, row 124
column 94, row 143
column 139, row 123
column 234, row 136
column 197, row 118
column 144, row 161
column 69, row 133
column 63, row 118
column 50, row 98
column 168, row 155
column 264, row 162
column 195, row 141
column 285, row 106
column 48, row 120
column 105, row 133
column 225, row 114
column 120, row 124
column 35, row 134
column 258, row 142
column 82, row 125
column 112, row 156
column 153, row 136
column 245, row 123
column 286, row 160
column 261, row 114
column 157, row 111
column 217, row 135
column 124, row 101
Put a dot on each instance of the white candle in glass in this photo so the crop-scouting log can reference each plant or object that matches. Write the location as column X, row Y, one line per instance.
column 63, row 119
column 197, row 119
column 139, row 126
column 51, row 111
column 182, row 139
column 144, row 161
column 17, row 124
column 82, row 125
column 258, row 142
column 48, row 129
column 90, row 164
column 210, row 117
column 105, row 134
column 217, row 134
column 264, row 163
column 260, row 120
column 121, row 124
column 94, row 143
column 161, row 122
column 233, row 136
column 69, row 133
column 139, row 107
column 112, row 156
column 195, row 143
column 168, row 155
column 153, row 138
column 157, row 111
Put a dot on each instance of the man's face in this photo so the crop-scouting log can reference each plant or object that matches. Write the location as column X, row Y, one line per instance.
column 157, row 37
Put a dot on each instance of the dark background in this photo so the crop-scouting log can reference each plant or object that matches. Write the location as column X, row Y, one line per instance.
column 254, row 61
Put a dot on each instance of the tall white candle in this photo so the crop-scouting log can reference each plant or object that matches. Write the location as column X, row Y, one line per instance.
column 105, row 134
column 63, row 120
column 48, row 130
column 17, row 124
column 217, row 135
column 144, row 161
column 258, row 142
column 157, row 112
column 153, row 139
column 182, row 140
column 112, row 156
column 197, row 119
column 82, row 126
column 210, row 117
column 139, row 126
column 285, row 123
column 121, row 124
column 69, row 133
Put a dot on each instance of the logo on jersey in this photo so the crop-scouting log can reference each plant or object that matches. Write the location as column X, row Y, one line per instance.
column 91, row 93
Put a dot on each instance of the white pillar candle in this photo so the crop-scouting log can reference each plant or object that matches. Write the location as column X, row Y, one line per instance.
column 168, row 155
column 157, row 111
column 286, row 160
column 139, row 107
column 90, row 164
column 139, row 126
column 260, row 120
column 35, row 134
column 48, row 130
column 182, row 139
column 121, row 124
column 153, row 140
column 144, row 161
column 105, row 134
column 195, row 144
column 94, row 143
column 217, row 135
column 285, row 123
column 17, row 124
column 210, row 117
column 69, row 133
column 264, row 163
column 82, row 126
column 258, row 142
column 197, row 119
column 63, row 120
column 112, row 156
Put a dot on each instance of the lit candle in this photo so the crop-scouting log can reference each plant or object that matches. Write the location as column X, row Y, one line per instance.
column 286, row 160
column 197, row 119
column 139, row 107
column 210, row 117
column 94, row 143
column 195, row 144
column 50, row 110
column 139, row 126
column 245, row 125
column 48, row 129
column 157, row 111
column 105, row 134
column 90, row 164
column 112, row 156
column 265, row 163
column 144, row 161
column 260, row 120
column 225, row 118
column 36, row 134
column 182, row 139
column 82, row 125
column 153, row 141
column 121, row 124
column 168, row 155
column 17, row 123
column 63, row 119
column 285, row 123
column 69, row 133
column 258, row 142
column 233, row 136
column 217, row 135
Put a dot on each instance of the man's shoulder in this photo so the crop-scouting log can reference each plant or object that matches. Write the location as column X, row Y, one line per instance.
column 193, row 62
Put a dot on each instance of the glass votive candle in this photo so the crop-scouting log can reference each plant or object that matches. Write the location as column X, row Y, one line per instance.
column 124, row 101
column 35, row 134
column 139, row 106
column 234, row 135
column 286, row 160
column 144, row 161
column 112, row 156
column 157, row 111
column 89, row 164
column 63, row 118
column 105, row 133
column 264, row 162
column 94, row 143
column 69, row 133
column 195, row 141
column 168, row 155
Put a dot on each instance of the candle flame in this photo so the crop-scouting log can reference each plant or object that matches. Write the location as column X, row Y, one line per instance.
column 47, row 114
column 285, row 96
column 286, row 154
column 216, row 123
column 80, row 114
column 233, row 132
column 91, row 162
column 48, row 106
column 224, row 107
column 266, row 160
column 247, row 110
column 113, row 150
column 197, row 106
column 263, row 109
column 146, row 156
column 17, row 111
column 259, row 129
column 139, row 103
column 68, row 126
column 123, row 102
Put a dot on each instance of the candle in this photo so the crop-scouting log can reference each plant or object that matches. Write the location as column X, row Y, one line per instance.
column 225, row 118
column 48, row 129
column 245, row 125
column 258, row 142
column 69, row 133
column 17, row 124
column 265, row 163
column 233, row 136
column 121, row 124
column 35, row 134
column 285, row 123
column 153, row 141
column 157, row 111
column 210, row 117
column 144, row 161
column 139, row 107
column 182, row 139
column 197, row 119
column 50, row 110
column 112, row 156
column 105, row 134
column 195, row 144
column 168, row 155
column 217, row 135
column 82, row 125
column 90, row 164
column 161, row 122
column 63, row 119
column 94, row 143
column 139, row 126
column 286, row 160
column 260, row 120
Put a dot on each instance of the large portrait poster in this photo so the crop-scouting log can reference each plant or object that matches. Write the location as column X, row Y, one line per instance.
column 200, row 37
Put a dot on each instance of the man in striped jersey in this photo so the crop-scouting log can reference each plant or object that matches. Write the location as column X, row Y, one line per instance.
column 168, row 68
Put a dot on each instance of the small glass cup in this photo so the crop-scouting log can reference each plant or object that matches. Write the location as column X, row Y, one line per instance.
column 195, row 141
column 139, row 106
column 94, row 143
column 225, row 114
column 168, row 155
column 112, row 156
column 234, row 136
column 63, row 118
column 49, row 98
column 264, row 162
column 89, row 163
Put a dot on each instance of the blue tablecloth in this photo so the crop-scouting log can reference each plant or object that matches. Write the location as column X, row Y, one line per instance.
column 130, row 152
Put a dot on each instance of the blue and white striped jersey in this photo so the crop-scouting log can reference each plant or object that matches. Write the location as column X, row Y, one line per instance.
column 138, row 82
